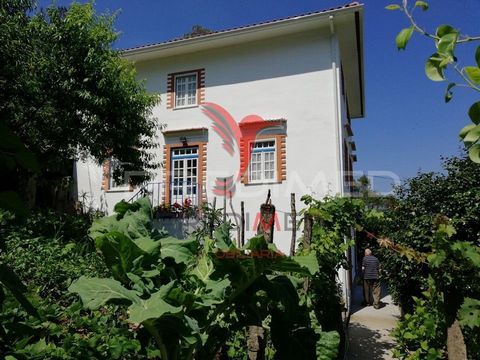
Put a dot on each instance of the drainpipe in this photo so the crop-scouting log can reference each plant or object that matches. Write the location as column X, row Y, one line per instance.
column 339, row 135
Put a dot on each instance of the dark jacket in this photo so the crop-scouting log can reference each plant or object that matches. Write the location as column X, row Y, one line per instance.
column 370, row 265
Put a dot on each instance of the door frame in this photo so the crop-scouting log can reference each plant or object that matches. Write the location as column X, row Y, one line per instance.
column 202, row 165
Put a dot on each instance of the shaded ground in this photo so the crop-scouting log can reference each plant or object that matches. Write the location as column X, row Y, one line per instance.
column 368, row 332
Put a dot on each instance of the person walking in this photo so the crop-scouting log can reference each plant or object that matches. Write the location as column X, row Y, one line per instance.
column 371, row 283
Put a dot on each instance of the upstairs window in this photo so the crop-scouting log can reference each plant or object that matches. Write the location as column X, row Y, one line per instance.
column 186, row 90
column 262, row 161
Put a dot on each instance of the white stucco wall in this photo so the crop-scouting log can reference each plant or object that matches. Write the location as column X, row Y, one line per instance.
column 288, row 77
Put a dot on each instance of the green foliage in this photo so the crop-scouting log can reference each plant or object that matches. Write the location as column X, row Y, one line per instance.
column 66, row 92
column 414, row 221
column 190, row 297
column 47, row 252
column 333, row 222
column 436, row 216
column 446, row 40
column 469, row 313
column 421, row 335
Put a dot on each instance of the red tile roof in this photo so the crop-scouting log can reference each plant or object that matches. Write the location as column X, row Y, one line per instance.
column 352, row 4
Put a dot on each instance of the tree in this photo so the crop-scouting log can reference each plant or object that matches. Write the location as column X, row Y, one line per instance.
column 435, row 224
column 197, row 30
column 67, row 94
column 446, row 38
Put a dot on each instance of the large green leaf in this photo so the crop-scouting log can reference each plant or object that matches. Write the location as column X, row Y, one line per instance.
column 96, row 292
column 179, row 250
column 433, row 70
column 403, row 37
column 443, row 30
column 134, row 222
column 257, row 243
column 473, row 134
column 191, row 244
column 286, row 264
column 221, row 235
column 120, row 252
column 474, row 112
column 473, row 73
column 148, row 245
column 446, row 44
column 468, row 252
column 122, row 207
column 474, row 153
column 308, row 261
column 204, row 268
column 465, row 130
column 469, row 313
column 154, row 307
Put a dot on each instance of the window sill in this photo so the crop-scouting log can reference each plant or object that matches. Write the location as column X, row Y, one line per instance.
column 119, row 189
column 186, row 107
column 263, row 183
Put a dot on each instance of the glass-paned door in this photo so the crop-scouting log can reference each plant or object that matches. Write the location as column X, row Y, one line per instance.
column 184, row 180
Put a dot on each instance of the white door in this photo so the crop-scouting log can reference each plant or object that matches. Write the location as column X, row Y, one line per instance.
column 184, row 180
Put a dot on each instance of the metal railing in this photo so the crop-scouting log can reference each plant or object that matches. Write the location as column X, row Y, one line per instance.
column 182, row 192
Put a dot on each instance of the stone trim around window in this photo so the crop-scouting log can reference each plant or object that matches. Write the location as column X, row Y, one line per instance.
column 200, row 87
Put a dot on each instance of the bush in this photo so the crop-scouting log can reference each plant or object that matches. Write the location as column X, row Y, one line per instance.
column 47, row 252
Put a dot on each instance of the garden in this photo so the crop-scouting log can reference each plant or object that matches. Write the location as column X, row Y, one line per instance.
column 77, row 284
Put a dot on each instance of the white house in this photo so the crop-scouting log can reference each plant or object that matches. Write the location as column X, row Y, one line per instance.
column 266, row 106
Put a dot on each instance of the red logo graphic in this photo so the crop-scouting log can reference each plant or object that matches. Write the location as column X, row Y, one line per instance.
column 236, row 138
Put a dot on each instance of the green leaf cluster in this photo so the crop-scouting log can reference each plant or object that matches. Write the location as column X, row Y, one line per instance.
column 66, row 92
column 446, row 39
column 191, row 296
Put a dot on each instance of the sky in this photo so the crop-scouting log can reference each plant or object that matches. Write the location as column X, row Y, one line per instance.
column 407, row 128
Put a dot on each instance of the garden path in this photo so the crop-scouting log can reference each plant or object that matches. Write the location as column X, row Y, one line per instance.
column 369, row 329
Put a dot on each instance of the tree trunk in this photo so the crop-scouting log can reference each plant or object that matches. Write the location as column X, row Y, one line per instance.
column 256, row 343
column 456, row 343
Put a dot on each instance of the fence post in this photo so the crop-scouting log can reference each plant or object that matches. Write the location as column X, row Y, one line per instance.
column 294, row 224
column 224, row 200
column 212, row 218
column 242, row 223
column 267, row 219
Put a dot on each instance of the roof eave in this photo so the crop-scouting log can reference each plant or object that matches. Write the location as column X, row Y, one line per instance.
column 246, row 33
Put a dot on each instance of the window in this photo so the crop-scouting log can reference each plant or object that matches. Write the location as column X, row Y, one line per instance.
column 262, row 161
column 184, row 180
column 185, row 90
column 120, row 182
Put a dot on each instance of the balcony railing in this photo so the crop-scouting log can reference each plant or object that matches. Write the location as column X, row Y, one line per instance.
column 181, row 192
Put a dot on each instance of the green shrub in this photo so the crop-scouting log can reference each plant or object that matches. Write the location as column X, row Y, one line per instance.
column 47, row 252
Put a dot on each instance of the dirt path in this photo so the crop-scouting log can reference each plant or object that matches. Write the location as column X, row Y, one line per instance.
column 369, row 330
